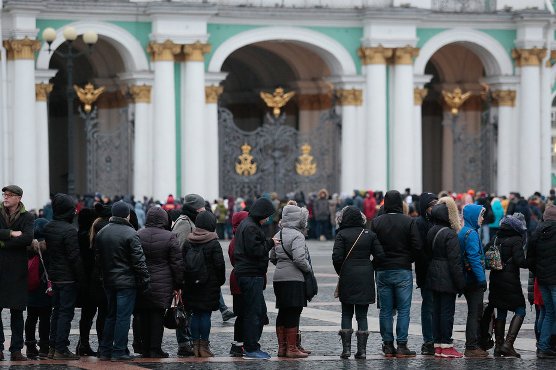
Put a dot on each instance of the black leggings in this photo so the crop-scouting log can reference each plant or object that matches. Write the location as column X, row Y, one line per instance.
column 288, row 317
column 42, row 315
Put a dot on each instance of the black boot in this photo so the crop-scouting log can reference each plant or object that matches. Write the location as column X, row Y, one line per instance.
column 499, row 329
column 389, row 349
column 362, row 337
column 32, row 351
column 507, row 348
column 553, row 343
column 403, row 351
column 84, row 349
column 486, row 328
column 345, row 334
column 43, row 350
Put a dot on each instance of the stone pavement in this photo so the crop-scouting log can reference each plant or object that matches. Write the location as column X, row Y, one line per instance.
column 320, row 323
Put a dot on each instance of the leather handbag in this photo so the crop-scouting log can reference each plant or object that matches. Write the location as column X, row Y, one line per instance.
column 175, row 316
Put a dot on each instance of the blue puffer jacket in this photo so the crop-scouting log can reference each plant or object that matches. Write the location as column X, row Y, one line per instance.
column 471, row 247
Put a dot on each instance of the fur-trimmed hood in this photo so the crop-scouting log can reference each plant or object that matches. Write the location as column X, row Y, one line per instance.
column 446, row 212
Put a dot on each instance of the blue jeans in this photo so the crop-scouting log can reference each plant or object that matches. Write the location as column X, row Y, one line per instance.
column 320, row 228
column 443, row 317
column 501, row 314
column 200, row 325
column 395, row 289
column 254, row 311
column 16, row 325
column 427, row 308
column 549, row 297
column 65, row 296
column 121, row 303
column 360, row 315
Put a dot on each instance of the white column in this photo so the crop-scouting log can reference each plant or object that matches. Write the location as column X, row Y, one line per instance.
column 374, row 68
column 530, row 120
column 164, row 110
column 506, row 178
column 143, row 139
column 193, row 132
column 546, row 128
column 419, row 94
column 24, row 156
column 403, row 130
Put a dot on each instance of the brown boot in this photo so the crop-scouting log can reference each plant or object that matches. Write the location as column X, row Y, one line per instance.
column 291, row 340
column 196, row 344
column 204, row 349
column 299, row 346
column 507, row 348
column 281, row 335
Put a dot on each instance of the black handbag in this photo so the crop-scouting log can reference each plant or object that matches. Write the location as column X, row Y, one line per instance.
column 311, row 286
column 175, row 316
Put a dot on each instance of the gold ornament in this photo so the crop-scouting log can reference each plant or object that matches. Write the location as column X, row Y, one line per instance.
column 195, row 52
column 88, row 95
column 141, row 93
column 350, row 96
column 505, row 98
column 246, row 165
column 276, row 100
column 42, row 90
column 418, row 95
column 212, row 93
column 528, row 57
column 374, row 55
column 163, row 51
column 22, row 48
column 306, row 166
column 455, row 99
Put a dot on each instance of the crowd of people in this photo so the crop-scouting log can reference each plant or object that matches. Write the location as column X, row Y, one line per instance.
column 128, row 262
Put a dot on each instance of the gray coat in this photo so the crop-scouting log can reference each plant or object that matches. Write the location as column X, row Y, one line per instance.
column 294, row 220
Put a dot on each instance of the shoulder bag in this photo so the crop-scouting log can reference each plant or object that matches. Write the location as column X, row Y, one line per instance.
column 311, row 286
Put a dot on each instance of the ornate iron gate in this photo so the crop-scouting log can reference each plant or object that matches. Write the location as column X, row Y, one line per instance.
column 278, row 157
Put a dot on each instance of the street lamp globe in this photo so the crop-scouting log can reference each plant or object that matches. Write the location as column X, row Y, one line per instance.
column 90, row 37
column 49, row 35
column 70, row 34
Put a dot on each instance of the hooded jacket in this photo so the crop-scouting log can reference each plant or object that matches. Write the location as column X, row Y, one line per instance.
column 252, row 245
column 471, row 246
column 163, row 258
column 498, row 212
column 236, row 220
column 62, row 243
column 541, row 254
column 294, row 222
column 321, row 210
column 424, row 224
column 398, row 235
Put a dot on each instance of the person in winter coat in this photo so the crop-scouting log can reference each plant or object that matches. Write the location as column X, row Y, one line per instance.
column 541, row 259
column 201, row 292
column 221, row 213
column 288, row 280
column 445, row 274
column 474, row 270
column 498, row 212
column 351, row 257
column 369, row 207
column 237, row 346
column 251, row 256
column 400, row 239
column 424, row 224
column 124, row 272
column 16, row 233
column 66, row 272
column 140, row 213
column 505, row 292
column 165, row 265
column 39, row 303
column 321, row 214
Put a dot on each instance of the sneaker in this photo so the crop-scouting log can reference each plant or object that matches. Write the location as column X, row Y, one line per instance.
column 450, row 352
column 227, row 315
column 428, row 349
column 256, row 355
column 236, row 350
column 475, row 353
column 437, row 350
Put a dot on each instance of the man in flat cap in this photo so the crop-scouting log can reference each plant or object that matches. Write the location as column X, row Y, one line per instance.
column 16, row 233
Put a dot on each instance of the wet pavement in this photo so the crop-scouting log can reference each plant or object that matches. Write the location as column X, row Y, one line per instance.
column 320, row 323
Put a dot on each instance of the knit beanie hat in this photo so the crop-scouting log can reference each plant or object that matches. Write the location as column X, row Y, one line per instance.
column 206, row 221
column 195, row 201
column 515, row 221
column 120, row 209
column 549, row 213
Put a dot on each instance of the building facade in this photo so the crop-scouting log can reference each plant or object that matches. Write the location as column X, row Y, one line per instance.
column 375, row 91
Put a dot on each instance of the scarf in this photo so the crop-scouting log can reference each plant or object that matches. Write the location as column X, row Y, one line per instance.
column 10, row 219
column 200, row 236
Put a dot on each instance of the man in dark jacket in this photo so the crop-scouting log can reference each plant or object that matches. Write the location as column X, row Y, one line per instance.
column 251, row 257
column 401, row 242
column 65, row 271
column 16, row 233
column 123, row 271
column 424, row 224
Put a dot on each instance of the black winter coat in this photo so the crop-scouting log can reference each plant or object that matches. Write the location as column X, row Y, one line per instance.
column 120, row 256
column 541, row 254
column 251, row 249
column 207, row 297
column 445, row 270
column 357, row 281
column 164, row 261
column 505, row 286
column 63, row 249
column 13, row 258
column 398, row 235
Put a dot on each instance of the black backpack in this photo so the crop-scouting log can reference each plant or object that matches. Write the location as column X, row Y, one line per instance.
column 195, row 267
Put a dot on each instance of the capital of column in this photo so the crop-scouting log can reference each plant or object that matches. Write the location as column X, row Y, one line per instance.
column 374, row 55
column 528, row 57
column 212, row 93
column 350, row 96
column 195, row 52
column 552, row 60
column 418, row 95
column 22, row 48
column 141, row 93
column 405, row 55
column 42, row 90
column 505, row 98
column 163, row 51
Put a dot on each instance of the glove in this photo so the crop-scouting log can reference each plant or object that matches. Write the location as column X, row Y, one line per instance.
column 483, row 286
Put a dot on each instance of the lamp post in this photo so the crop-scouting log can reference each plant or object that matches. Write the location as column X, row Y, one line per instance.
column 70, row 35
